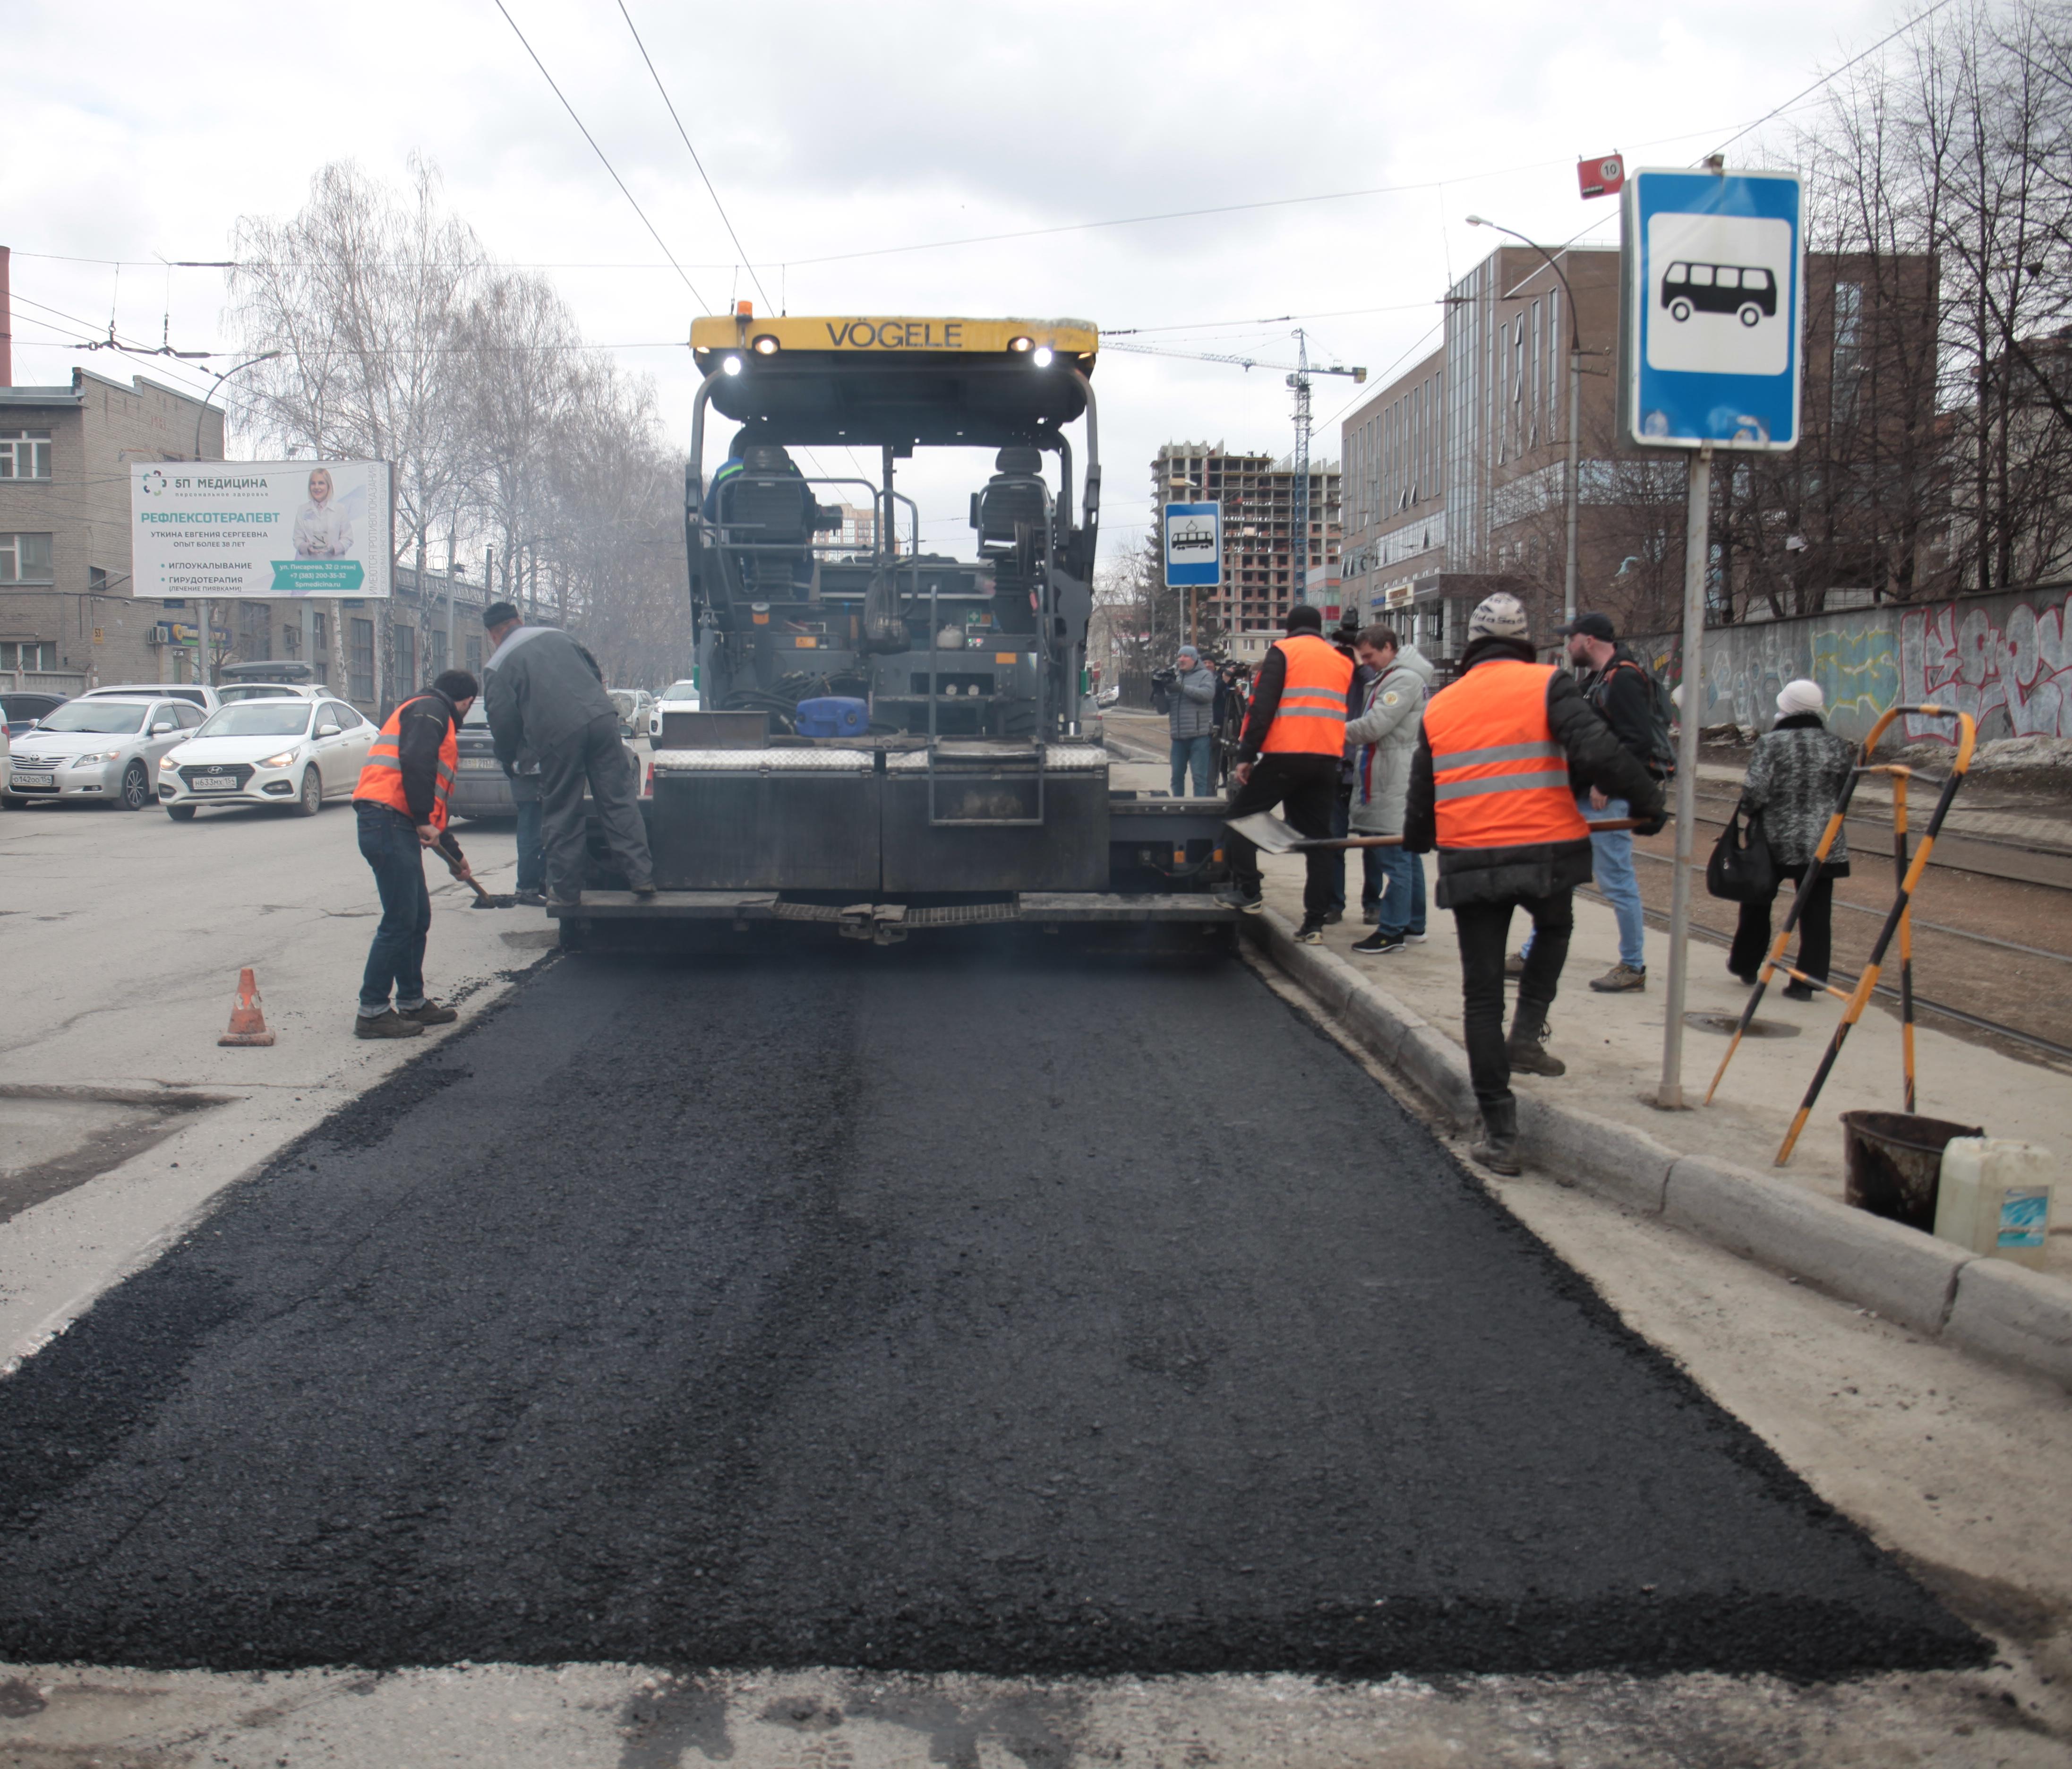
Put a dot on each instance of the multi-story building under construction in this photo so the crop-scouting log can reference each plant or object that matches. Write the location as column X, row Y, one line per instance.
column 1265, row 566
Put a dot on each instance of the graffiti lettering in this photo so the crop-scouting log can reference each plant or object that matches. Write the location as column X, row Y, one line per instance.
column 2022, row 670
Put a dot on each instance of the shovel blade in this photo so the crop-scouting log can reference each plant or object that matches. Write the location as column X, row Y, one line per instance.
column 1266, row 832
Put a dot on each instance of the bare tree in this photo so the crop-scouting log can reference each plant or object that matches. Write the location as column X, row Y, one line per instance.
column 365, row 293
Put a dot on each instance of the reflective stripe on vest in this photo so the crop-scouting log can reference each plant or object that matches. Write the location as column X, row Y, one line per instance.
column 1499, row 779
column 1311, row 718
column 381, row 776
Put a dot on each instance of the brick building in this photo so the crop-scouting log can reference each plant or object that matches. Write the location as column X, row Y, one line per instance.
column 1265, row 567
column 67, row 619
column 1456, row 469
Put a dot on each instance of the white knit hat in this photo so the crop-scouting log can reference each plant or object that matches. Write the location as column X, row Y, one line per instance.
column 1501, row 615
column 1801, row 696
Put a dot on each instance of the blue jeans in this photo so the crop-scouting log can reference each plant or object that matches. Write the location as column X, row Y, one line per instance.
column 1198, row 755
column 388, row 841
column 532, row 857
column 1611, row 865
column 1403, row 904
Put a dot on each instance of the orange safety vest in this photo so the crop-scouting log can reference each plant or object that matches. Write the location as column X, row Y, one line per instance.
column 1499, row 779
column 381, row 779
column 1311, row 718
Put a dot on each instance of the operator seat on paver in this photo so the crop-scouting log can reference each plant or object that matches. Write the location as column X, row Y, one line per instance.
column 768, row 517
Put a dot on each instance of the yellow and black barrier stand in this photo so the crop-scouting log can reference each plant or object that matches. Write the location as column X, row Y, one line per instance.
column 1908, row 871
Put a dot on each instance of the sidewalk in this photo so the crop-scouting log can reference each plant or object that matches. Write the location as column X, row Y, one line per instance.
column 1613, row 1046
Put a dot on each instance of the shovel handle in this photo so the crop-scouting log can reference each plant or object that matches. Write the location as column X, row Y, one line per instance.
column 1604, row 828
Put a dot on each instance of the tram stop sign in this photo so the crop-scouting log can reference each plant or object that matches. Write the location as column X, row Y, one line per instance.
column 1194, row 545
column 1711, row 303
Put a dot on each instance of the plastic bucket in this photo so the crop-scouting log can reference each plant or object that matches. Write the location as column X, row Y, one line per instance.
column 1894, row 1161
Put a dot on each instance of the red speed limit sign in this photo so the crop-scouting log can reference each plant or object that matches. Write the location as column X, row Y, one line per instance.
column 1600, row 174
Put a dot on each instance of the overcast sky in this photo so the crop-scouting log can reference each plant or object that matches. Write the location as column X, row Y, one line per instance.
column 136, row 132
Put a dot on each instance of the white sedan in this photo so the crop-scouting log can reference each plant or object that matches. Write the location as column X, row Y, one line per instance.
column 677, row 697
column 291, row 753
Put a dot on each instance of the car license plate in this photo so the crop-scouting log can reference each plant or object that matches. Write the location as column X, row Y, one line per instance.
column 215, row 783
column 478, row 763
column 35, row 779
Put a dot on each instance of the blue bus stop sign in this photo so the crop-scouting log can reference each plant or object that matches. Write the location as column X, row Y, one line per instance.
column 1712, row 301
column 1194, row 545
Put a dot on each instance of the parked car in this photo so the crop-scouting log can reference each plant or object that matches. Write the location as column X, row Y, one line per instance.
column 192, row 693
column 280, row 674
column 23, row 709
column 99, row 748
column 231, row 693
column 677, row 697
column 635, row 706
column 481, row 789
column 292, row 752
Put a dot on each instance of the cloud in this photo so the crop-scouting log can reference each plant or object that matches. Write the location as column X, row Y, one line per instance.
column 829, row 130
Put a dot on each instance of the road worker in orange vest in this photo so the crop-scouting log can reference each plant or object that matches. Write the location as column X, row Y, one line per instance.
column 401, row 803
column 1290, row 754
column 1501, row 756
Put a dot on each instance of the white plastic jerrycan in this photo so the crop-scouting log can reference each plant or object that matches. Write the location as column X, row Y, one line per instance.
column 1994, row 1197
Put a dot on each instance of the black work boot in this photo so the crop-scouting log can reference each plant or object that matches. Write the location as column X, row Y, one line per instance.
column 1497, row 1147
column 1527, row 1051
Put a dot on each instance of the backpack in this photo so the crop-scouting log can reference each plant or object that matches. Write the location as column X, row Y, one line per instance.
column 1661, row 712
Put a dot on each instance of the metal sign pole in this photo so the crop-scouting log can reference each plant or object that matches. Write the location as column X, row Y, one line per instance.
column 1697, row 558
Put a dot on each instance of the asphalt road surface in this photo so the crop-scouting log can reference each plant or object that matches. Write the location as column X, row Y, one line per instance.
column 899, row 1309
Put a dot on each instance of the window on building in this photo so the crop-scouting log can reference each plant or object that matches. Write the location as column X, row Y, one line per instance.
column 25, row 454
column 29, row 654
column 25, row 558
column 1553, row 369
column 406, row 660
column 359, row 637
column 1849, row 350
column 255, row 632
column 438, row 651
column 319, row 633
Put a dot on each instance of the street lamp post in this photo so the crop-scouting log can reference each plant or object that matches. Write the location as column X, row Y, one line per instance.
column 201, row 624
column 1575, row 407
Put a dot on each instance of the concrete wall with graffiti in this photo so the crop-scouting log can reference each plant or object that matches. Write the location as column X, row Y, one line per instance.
column 2005, row 658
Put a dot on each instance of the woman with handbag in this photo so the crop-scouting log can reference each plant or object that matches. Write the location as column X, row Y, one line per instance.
column 1794, row 778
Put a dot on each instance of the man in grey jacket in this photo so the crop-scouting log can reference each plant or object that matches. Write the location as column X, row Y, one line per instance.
column 1386, row 732
column 546, row 695
column 1191, row 720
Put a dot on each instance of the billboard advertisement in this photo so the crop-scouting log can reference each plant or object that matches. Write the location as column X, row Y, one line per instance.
column 263, row 530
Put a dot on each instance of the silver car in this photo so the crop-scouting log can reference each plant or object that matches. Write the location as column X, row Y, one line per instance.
column 101, row 749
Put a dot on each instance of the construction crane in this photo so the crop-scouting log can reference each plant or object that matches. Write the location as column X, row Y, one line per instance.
column 1299, row 373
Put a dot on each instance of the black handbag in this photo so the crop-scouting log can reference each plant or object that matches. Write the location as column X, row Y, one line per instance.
column 1742, row 869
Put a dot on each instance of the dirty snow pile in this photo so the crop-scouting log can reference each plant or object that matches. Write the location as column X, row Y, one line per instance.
column 2003, row 755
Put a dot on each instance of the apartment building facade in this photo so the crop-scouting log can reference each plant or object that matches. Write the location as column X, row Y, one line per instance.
column 1266, row 565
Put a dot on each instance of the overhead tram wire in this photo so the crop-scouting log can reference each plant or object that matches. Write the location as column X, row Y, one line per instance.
column 695, row 161
column 602, row 159
column 1828, row 79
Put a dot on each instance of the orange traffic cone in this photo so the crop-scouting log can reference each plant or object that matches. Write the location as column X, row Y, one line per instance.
column 248, row 1023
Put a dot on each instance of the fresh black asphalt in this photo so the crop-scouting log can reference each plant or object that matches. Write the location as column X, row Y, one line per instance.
column 913, row 1310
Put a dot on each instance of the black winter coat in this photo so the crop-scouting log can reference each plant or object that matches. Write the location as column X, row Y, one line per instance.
column 1536, row 869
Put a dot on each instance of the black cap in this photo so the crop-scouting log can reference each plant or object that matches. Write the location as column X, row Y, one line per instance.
column 1304, row 617
column 1591, row 626
column 497, row 613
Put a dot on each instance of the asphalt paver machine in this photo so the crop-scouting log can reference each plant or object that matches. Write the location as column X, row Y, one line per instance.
column 890, row 740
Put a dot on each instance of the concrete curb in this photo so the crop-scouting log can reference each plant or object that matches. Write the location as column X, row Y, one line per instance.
column 1986, row 1306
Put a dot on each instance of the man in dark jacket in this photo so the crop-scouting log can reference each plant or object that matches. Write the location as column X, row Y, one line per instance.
column 1617, row 684
column 1508, row 835
column 546, row 694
